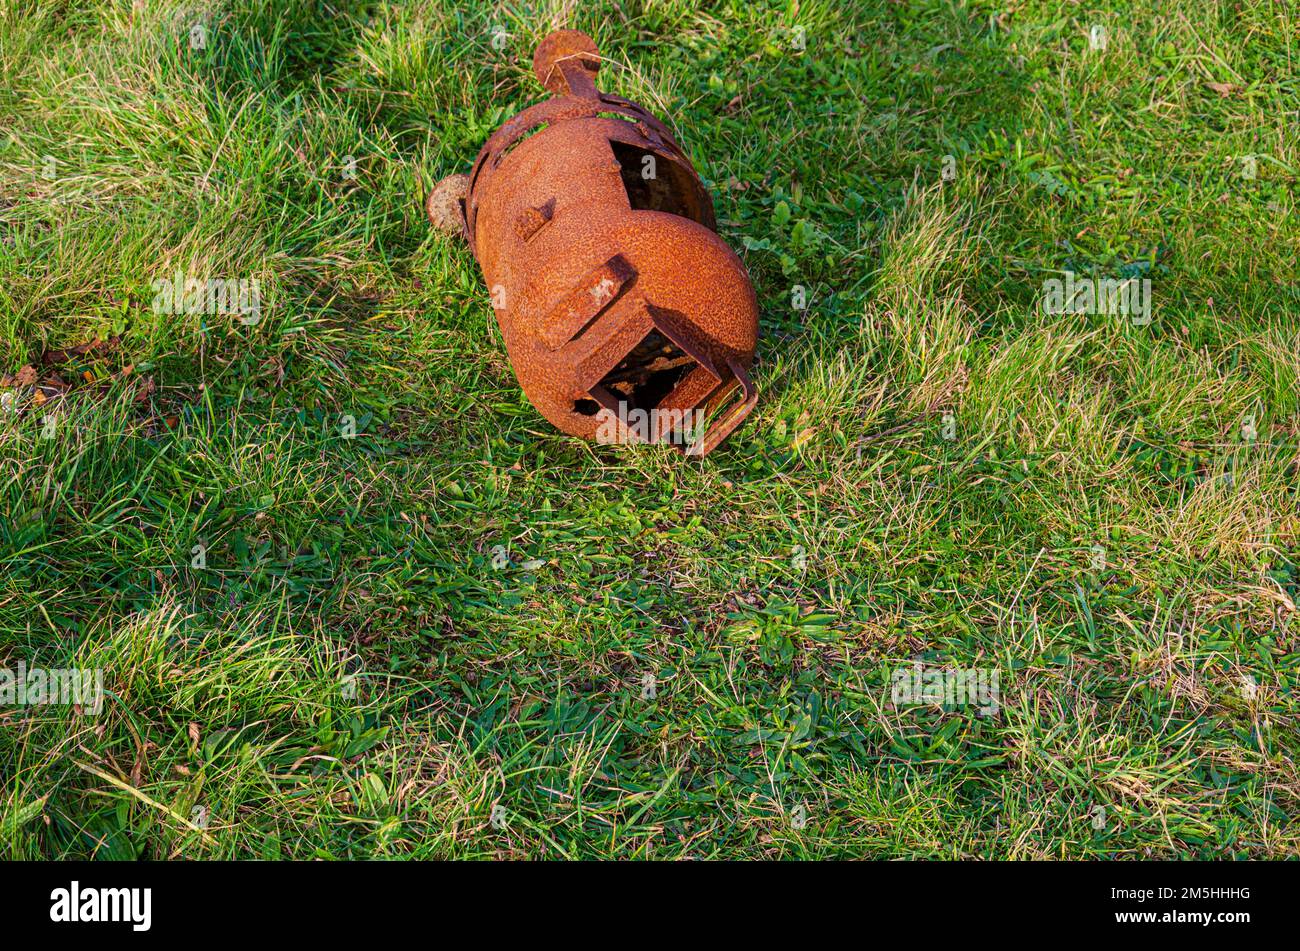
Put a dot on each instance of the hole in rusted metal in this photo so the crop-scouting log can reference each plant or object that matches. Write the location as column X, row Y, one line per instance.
column 586, row 407
column 649, row 372
column 669, row 190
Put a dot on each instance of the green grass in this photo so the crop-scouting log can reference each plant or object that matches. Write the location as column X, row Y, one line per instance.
column 937, row 468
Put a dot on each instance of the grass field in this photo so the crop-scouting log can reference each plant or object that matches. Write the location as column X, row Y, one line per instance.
column 351, row 596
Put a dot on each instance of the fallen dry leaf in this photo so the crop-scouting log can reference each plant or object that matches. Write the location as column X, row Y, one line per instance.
column 62, row 356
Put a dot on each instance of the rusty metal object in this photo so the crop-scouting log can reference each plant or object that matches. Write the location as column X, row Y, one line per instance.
column 597, row 241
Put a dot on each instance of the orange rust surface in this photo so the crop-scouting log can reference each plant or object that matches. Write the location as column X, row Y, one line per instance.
column 596, row 240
